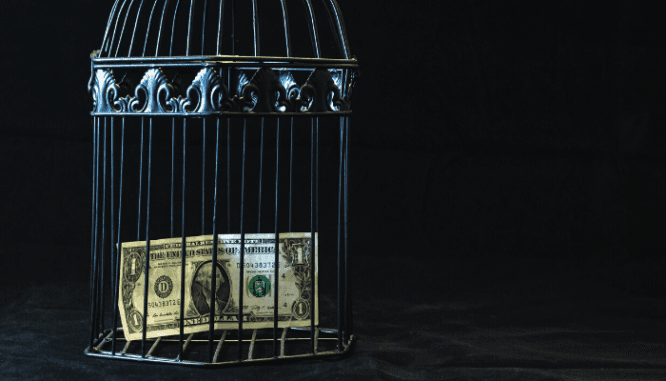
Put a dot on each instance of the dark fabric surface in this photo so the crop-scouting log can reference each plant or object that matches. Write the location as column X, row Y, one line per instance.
column 506, row 187
column 45, row 327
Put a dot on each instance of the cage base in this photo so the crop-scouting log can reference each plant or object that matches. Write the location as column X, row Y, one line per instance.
column 258, row 336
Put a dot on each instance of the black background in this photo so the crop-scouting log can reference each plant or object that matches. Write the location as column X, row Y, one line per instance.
column 497, row 147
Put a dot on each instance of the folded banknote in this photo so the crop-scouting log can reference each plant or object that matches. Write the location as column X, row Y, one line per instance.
column 258, row 286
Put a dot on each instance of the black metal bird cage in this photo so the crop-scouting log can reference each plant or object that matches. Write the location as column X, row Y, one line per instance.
column 216, row 117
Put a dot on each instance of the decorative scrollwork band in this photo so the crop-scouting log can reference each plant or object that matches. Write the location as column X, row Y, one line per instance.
column 265, row 91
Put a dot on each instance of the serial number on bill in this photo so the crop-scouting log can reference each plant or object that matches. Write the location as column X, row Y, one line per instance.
column 257, row 265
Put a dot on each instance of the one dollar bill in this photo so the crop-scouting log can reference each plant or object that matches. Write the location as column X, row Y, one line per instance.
column 258, row 285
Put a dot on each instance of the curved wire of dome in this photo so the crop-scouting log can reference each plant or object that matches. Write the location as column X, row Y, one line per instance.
column 129, row 17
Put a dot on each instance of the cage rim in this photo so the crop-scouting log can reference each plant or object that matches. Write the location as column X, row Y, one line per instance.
column 224, row 59
column 348, row 347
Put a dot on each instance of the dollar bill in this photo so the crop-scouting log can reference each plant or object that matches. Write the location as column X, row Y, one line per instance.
column 258, row 285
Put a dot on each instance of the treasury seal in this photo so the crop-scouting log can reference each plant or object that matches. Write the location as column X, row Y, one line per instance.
column 163, row 286
column 260, row 286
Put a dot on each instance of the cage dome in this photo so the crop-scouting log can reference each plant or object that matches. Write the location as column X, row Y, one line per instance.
column 180, row 28
column 208, row 57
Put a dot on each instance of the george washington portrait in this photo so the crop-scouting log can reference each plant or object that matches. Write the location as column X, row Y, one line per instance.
column 201, row 287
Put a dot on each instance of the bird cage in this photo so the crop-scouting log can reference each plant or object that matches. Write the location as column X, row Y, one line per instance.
column 222, row 117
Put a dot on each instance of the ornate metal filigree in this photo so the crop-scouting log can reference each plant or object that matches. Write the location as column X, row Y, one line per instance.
column 208, row 93
column 293, row 91
column 355, row 75
column 106, row 92
column 336, row 76
column 320, row 93
column 264, row 93
column 267, row 91
column 153, row 94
